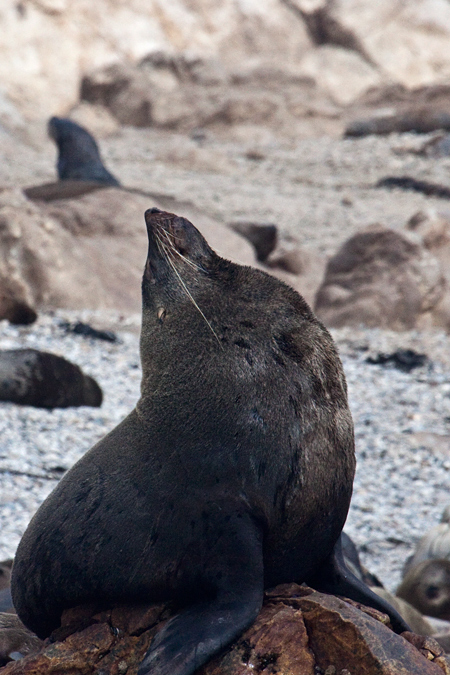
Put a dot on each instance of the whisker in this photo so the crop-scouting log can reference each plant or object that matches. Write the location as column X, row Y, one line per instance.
column 193, row 301
column 172, row 248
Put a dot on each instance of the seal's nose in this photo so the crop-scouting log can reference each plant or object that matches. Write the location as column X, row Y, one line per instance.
column 154, row 210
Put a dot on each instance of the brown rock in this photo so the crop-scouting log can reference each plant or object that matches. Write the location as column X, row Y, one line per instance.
column 14, row 637
column 380, row 278
column 297, row 631
column 343, row 637
column 277, row 641
column 78, row 654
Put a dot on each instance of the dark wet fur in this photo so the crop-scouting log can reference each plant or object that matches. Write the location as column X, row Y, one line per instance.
column 234, row 472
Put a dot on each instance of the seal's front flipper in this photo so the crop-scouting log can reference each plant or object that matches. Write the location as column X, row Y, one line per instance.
column 191, row 638
column 334, row 577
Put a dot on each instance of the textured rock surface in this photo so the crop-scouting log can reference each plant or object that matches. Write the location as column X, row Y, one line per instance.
column 380, row 278
column 87, row 251
column 344, row 46
column 434, row 227
column 297, row 632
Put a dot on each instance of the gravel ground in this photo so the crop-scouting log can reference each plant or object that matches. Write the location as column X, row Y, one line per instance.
column 320, row 190
column 402, row 431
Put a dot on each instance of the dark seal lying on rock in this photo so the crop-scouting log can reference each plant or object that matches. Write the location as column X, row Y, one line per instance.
column 233, row 473
column 79, row 156
column 44, row 380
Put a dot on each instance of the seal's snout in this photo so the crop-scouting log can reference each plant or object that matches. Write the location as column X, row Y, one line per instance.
column 155, row 215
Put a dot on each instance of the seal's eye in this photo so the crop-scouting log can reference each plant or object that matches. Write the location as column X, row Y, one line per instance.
column 432, row 592
column 161, row 314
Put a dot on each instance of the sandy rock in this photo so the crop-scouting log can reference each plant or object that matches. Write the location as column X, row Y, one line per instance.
column 406, row 41
column 95, row 118
column 346, row 46
column 297, row 631
column 88, row 251
column 179, row 92
column 397, row 108
column 379, row 278
column 343, row 74
column 41, row 79
column 434, row 228
column 52, row 251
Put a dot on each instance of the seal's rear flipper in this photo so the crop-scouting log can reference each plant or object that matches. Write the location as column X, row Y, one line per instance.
column 191, row 638
column 334, row 577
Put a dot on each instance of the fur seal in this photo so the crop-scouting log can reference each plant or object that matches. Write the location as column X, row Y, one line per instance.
column 435, row 544
column 79, row 157
column 45, row 380
column 233, row 473
column 426, row 587
column 419, row 120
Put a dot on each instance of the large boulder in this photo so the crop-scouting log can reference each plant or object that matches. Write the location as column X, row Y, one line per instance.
column 185, row 92
column 381, row 278
column 88, row 251
column 345, row 47
column 405, row 41
column 40, row 78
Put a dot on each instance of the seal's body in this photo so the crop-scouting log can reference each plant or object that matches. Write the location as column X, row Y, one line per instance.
column 78, row 153
column 233, row 473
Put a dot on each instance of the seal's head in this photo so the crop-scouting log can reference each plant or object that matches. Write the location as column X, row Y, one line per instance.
column 176, row 248
column 427, row 588
column 184, row 277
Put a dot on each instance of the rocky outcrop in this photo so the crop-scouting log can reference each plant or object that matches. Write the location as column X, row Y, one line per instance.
column 298, row 632
column 183, row 92
column 345, row 47
column 380, row 278
column 401, row 109
column 41, row 79
column 87, row 251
